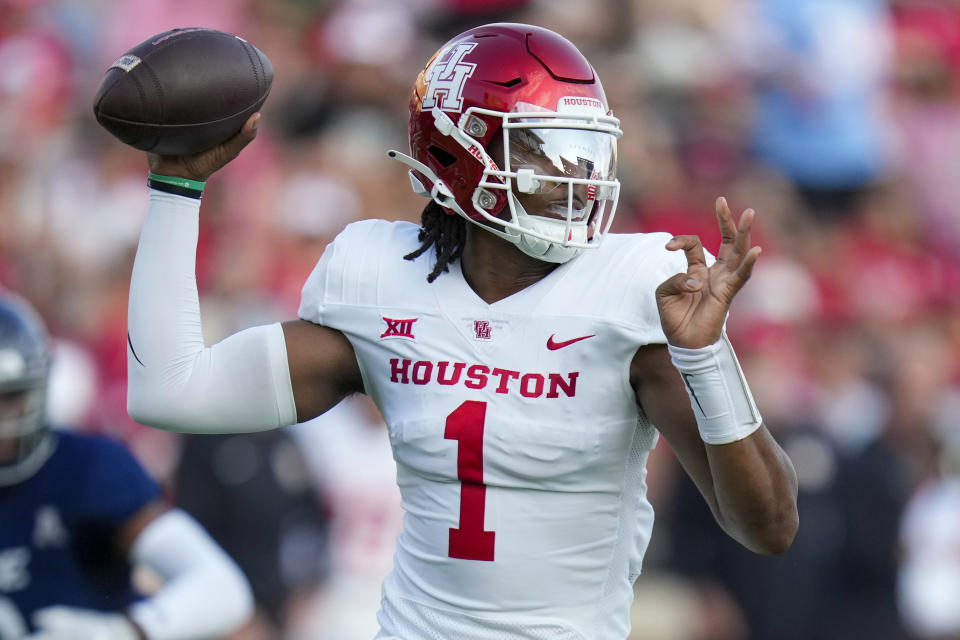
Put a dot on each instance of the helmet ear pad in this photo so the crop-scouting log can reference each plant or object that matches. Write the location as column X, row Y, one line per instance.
column 493, row 146
column 460, row 169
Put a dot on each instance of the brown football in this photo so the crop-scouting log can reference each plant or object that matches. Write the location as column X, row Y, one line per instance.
column 183, row 91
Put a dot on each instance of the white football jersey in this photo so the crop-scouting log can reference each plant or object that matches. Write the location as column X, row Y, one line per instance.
column 519, row 445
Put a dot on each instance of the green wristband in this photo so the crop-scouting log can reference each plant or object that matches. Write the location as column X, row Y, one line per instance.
column 185, row 183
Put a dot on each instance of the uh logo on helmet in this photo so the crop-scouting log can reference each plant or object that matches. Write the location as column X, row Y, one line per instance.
column 529, row 96
column 446, row 77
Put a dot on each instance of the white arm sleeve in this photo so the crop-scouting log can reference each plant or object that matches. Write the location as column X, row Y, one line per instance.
column 204, row 594
column 174, row 382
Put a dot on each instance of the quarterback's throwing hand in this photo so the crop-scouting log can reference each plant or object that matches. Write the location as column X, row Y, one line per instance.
column 693, row 305
column 202, row 165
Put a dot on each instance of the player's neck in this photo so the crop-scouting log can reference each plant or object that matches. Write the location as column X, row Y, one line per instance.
column 495, row 269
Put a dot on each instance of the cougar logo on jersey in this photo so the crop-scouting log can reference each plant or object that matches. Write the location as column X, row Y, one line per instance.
column 482, row 330
column 446, row 78
column 479, row 376
column 402, row 328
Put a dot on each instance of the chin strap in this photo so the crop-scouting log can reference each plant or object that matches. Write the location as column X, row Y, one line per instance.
column 542, row 249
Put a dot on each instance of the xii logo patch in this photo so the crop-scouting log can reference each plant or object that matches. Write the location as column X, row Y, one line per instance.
column 446, row 78
column 400, row 328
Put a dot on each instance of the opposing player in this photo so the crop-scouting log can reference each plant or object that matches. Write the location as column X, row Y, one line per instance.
column 78, row 512
column 524, row 360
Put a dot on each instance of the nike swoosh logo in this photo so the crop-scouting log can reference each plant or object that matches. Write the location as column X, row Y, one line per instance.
column 132, row 350
column 553, row 346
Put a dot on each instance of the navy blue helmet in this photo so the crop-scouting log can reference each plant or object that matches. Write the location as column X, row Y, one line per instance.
column 25, row 356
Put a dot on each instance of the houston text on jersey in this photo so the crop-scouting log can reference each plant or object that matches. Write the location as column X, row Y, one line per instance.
column 478, row 376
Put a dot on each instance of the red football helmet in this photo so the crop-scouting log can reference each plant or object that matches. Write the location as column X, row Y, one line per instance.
column 528, row 97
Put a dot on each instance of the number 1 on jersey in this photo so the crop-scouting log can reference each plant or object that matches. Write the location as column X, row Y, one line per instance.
column 465, row 425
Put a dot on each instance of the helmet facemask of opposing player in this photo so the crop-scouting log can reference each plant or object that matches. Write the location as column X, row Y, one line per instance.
column 25, row 442
column 510, row 129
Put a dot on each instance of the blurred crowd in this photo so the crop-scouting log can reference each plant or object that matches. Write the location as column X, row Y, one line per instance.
column 837, row 120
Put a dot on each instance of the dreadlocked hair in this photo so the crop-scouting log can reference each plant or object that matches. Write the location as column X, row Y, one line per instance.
column 444, row 232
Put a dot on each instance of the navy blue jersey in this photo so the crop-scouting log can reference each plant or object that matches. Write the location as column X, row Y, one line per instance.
column 58, row 530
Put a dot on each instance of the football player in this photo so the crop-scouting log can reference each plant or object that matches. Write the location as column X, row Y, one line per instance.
column 524, row 359
column 77, row 512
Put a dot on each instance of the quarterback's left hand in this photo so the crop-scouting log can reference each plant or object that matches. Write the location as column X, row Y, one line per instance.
column 693, row 305
column 69, row 623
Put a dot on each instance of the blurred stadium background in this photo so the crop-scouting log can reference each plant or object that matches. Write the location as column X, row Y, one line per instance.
column 838, row 120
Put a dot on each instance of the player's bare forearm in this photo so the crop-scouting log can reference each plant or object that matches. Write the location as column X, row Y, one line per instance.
column 750, row 484
column 756, row 491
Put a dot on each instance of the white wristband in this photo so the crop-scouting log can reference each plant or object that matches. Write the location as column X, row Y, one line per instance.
column 718, row 391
